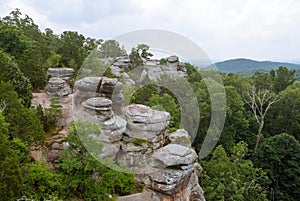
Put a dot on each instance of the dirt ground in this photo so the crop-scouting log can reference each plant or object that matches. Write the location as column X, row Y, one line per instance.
column 44, row 100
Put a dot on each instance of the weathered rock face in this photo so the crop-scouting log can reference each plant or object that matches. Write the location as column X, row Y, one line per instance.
column 57, row 84
column 90, row 87
column 58, row 87
column 167, row 171
column 180, row 137
column 174, row 155
column 136, row 136
column 153, row 70
column 143, row 122
column 119, row 65
column 63, row 73
column 56, row 143
column 99, row 110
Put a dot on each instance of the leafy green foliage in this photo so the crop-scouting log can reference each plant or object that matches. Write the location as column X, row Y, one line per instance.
column 87, row 178
column 143, row 94
column 50, row 116
column 285, row 115
column 140, row 141
column 282, row 78
column 24, row 122
column 32, row 64
column 10, row 174
column 236, row 123
column 40, row 183
column 231, row 177
column 166, row 103
column 71, row 49
column 280, row 157
column 163, row 61
column 9, row 71
column 138, row 54
column 111, row 49
column 13, row 40
column 193, row 73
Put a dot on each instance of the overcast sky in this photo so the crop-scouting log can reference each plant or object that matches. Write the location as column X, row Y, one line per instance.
column 224, row 29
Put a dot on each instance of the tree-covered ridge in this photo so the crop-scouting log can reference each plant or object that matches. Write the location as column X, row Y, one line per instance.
column 257, row 157
column 249, row 67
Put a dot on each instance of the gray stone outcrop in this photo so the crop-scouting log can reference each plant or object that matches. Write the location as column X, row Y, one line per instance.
column 63, row 73
column 58, row 87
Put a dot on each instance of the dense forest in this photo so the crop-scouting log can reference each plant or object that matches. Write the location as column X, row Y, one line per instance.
column 249, row 67
column 256, row 158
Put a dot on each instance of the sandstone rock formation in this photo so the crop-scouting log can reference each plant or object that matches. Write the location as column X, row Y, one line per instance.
column 153, row 70
column 119, row 65
column 135, row 136
column 138, row 139
column 57, row 84
column 63, row 73
column 58, row 87
column 90, row 87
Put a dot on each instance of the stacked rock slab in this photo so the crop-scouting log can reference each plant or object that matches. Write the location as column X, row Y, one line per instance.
column 173, row 62
column 145, row 133
column 58, row 87
column 57, row 84
column 163, row 162
column 90, row 87
column 167, row 171
column 99, row 110
column 120, row 64
column 63, row 73
column 173, row 68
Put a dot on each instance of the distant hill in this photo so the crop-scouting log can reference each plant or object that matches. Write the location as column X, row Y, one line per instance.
column 248, row 66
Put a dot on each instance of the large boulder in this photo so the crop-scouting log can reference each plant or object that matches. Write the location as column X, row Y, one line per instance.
column 145, row 123
column 144, row 114
column 174, row 155
column 180, row 137
column 88, row 84
column 172, row 59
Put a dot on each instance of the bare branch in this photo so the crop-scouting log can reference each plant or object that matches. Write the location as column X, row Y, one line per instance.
column 260, row 101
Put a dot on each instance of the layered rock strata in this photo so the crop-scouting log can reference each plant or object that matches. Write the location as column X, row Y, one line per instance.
column 90, row 87
column 63, row 73
column 163, row 162
column 58, row 87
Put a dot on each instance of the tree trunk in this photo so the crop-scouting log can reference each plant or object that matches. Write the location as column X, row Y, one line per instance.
column 258, row 135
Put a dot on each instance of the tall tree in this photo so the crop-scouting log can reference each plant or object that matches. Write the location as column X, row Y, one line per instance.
column 24, row 122
column 282, row 78
column 228, row 176
column 32, row 64
column 9, row 71
column 111, row 48
column 139, row 53
column 71, row 47
column 284, row 117
column 280, row 157
column 13, row 41
column 260, row 101
column 236, row 123
column 10, row 174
